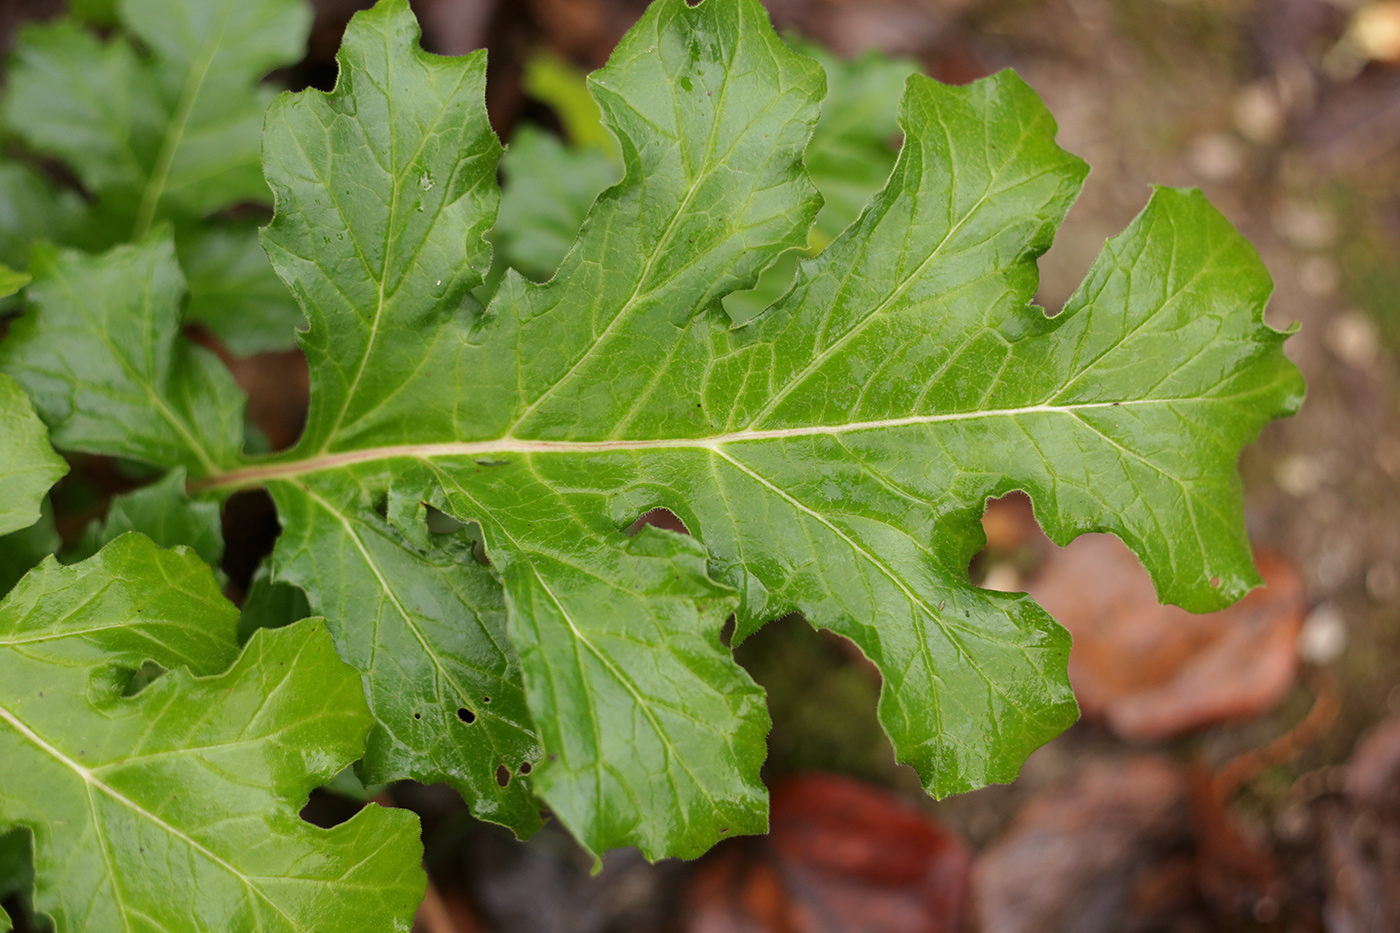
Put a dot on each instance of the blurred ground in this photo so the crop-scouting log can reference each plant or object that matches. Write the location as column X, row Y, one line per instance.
column 1285, row 815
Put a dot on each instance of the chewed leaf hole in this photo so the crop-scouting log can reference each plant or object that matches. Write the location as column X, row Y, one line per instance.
column 142, row 678
column 659, row 518
column 1015, row 548
column 328, row 809
column 1214, row 581
column 466, row 715
column 440, row 523
column 502, row 775
column 417, row 715
column 526, row 767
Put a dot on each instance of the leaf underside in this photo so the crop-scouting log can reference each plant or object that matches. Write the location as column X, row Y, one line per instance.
column 831, row 455
column 177, row 808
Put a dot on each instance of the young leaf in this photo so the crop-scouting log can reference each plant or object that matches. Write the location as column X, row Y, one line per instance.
column 169, row 133
column 177, row 808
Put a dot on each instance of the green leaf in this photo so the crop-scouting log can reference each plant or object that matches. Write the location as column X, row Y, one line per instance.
column 853, row 149
column 234, row 291
column 551, row 80
column 161, row 122
column 849, row 158
column 28, row 465
column 832, row 455
column 32, row 209
column 426, row 625
column 549, row 187
column 178, row 808
column 100, row 353
column 21, row 550
column 548, row 191
column 163, row 513
column 639, row 678
column 175, row 135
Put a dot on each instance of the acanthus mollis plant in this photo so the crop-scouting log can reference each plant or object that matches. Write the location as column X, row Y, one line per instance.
column 830, row 455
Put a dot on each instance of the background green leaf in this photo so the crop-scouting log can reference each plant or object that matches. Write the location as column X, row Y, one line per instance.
column 100, row 353
column 162, row 512
column 160, row 122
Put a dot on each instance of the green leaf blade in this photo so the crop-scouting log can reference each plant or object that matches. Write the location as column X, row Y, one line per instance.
column 712, row 113
column 654, row 733
column 99, row 350
column 427, row 628
column 28, row 465
column 176, row 808
column 831, row 455
column 160, row 121
column 382, row 250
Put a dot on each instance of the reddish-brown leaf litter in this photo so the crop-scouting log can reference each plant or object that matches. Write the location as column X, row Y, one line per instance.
column 1233, row 771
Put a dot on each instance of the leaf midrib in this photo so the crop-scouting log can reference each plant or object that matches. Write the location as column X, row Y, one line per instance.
column 258, row 475
column 175, row 130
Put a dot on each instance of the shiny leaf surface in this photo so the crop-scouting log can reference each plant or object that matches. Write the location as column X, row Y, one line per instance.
column 176, row 808
column 830, row 455
column 549, row 186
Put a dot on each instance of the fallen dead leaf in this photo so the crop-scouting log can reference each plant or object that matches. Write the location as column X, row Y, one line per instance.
column 1152, row 671
column 1109, row 850
column 840, row 856
column 1373, row 776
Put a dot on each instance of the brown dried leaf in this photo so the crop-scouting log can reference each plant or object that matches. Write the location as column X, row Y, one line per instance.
column 1154, row 671
column 840, row 856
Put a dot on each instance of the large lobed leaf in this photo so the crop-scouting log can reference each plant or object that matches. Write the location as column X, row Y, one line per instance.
column 831, row 455
column 177, row 808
